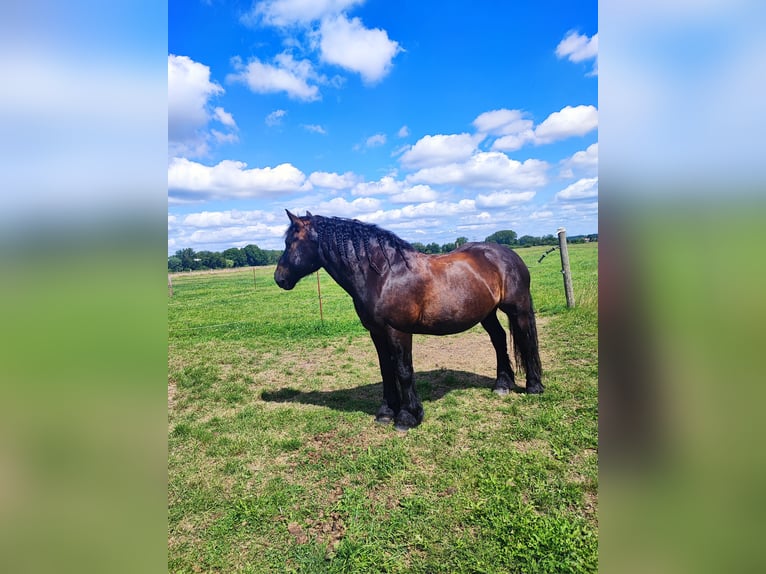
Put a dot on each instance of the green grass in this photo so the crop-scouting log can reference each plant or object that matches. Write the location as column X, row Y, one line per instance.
column 275, row 463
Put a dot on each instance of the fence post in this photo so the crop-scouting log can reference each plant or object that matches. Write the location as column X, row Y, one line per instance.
column 319, row 294
column 562, row 233
column 255, row 286
column 170, row 286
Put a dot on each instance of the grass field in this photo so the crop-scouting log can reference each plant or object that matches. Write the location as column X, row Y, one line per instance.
column 276, row 465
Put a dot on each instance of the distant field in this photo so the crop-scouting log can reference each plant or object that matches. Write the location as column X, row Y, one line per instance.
column 275, row 463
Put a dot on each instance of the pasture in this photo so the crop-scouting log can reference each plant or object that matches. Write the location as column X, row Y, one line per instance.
column 276, row 465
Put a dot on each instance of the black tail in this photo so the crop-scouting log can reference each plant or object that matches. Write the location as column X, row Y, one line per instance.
column 525, row 345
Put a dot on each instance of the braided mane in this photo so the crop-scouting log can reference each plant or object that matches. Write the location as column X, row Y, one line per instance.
column 335, row 234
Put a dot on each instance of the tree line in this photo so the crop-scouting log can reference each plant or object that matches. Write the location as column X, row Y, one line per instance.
column 252, row 255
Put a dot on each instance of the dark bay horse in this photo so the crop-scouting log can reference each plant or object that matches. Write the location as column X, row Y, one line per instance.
column 398, row 291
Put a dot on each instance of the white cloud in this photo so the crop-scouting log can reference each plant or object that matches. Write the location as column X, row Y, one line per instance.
column 386, row 185
column 341, row 207
column 224, row 117
column 189, row 112
column 375, row 140
column 403, row 132
column 585, row 161
column 291, row 12
column 415, row 194
column 275, row 117
column 326, row 180
column 314, row 128
column 569, row 122
column 227, row 218
column 503, row 198
column 578, row 48
column 232, row 179
column 348, row 44
column 585, row 188
column 544, row 214
column 422, row 210
column 502, row 122
column 438, row 150
column 492, row 170
column 285, row 75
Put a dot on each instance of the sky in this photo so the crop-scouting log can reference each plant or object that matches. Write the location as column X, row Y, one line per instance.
column 435, row 120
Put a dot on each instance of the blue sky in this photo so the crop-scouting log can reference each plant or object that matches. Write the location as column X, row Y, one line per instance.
column 434, row 120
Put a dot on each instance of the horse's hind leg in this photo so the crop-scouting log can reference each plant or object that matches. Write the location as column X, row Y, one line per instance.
column 505, row 382
column 524, row 331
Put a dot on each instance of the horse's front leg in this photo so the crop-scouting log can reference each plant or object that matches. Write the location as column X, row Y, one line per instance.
column 411, row 413
column 391, row 400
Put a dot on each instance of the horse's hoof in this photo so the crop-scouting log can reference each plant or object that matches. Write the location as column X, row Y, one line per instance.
column 405, row 420
column 384, row 415
column 535, row 388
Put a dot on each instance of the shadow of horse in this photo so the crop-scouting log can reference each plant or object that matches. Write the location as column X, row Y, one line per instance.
column 431, row 386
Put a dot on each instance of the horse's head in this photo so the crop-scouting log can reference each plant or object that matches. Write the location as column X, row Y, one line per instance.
column 301, row 255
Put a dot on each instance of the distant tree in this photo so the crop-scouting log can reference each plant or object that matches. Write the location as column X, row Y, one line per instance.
column 175, row 264
column 211, row 260
column 433, row 248
column 272, row 255
column 419, row 246
column 447, row 247
column 504, row 237
column 255, row 256
column 527, row 240
column 549, row 239
column 187, row 257
column 461, row 241
column 236, row 255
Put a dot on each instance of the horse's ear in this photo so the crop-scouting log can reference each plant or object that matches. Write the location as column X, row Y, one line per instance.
column 294, row 218
column 308, row 213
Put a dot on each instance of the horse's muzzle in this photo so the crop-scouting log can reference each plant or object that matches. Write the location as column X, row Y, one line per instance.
column 281, row 278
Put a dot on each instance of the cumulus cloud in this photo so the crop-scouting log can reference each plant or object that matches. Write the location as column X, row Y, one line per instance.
column 584, row 161
column 231, row 217
column 493, row 170
column 578, row 48
column 513, row 130
column 327, row 180
column 348, row 44
column 275, row 117
column 190, row 113
column 341, row 207
column 502, row 122
column 438, row 150
column 385, row 185
column 314, row 128
column 421, row 211
column 569, row 122
column 503, row 198
column 292, row 12
column 285, row 74
column 415, row 194
column 403, row 132
column 375, row 140
column 585, row 188
column 231, row 179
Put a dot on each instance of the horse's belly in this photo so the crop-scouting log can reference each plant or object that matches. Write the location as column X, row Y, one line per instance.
column 441, row 317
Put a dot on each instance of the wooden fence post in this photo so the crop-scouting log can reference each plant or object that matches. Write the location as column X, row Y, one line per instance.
column 170, row 286
column 255, row 286
column 562, row 233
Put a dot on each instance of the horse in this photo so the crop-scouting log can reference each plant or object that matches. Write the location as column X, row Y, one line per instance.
column 398, row 291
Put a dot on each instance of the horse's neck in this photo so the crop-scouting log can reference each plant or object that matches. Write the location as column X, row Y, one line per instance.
column 351, row 276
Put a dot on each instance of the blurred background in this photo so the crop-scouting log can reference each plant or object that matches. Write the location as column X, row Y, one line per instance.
column 83, row 158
